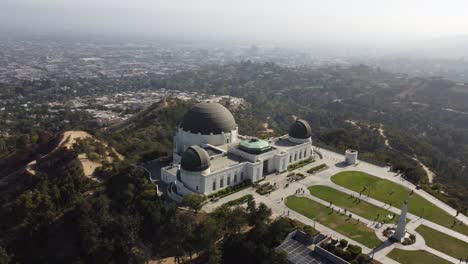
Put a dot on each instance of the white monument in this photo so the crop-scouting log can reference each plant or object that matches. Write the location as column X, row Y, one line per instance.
column 351, row 156
column 400, row 231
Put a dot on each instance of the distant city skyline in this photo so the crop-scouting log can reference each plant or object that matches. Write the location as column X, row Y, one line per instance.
column 354, row 23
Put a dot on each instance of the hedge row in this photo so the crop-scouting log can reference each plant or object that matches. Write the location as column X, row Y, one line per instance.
column 240, row 200
column 231, row 189
column 299, row 164
column 317, row 168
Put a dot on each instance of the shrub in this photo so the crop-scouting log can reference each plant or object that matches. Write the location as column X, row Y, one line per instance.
column 230, row 189
column 339, row 252
column 317, row 168
column 354, row 250
column 300, row 164
column 240, row 200
column 346, row 256
column 265, row 188
column 343, row 243
column 407, row 241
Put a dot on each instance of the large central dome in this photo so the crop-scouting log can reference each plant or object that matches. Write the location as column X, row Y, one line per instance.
column 207, row 118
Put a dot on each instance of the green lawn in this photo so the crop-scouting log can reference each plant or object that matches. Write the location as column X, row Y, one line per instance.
column 395, row 194
column 444, row 243
column 336, row 221
column 363, row 208
column 415, row 257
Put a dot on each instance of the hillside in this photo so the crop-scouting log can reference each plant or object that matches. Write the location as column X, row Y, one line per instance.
column 149, row 134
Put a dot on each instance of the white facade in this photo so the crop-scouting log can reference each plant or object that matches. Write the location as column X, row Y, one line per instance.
column 184, row 139
column 223, row 160
column 249, row 167
column 351, row 156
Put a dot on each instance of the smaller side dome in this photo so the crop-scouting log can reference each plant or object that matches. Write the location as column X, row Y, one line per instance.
column 195, row 158
column 300, row 129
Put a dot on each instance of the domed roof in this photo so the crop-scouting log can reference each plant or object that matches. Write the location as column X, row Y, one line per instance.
column 300, row 129
column 195, row 159
column 207, row 118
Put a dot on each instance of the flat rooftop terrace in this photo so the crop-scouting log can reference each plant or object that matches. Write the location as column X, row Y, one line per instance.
column 217, row 163
column 283, row 144
column 224, row 162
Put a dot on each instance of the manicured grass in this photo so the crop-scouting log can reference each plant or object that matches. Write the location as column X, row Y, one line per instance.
column 395, row 194
column 415, row 257
column 334, row 220
column 343, row 200
column 444, row 243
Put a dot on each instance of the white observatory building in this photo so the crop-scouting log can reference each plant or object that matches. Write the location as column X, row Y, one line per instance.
column 210, row 155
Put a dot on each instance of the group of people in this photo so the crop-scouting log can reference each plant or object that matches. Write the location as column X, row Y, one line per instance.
column 300, row 191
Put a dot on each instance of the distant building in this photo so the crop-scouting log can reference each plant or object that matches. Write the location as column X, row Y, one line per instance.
column 209, row 154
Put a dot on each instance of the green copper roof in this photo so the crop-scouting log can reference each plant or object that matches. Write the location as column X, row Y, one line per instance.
column 254, row 145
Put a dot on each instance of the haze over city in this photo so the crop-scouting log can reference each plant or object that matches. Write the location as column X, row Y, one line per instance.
column 361, row 23
column 227, row 132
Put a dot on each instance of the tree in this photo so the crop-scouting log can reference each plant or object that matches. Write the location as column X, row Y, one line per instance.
column 193, row 201
column 263, row 213
column 237, row 220
column 213, row 255
column 4, row 257
column 343, row 243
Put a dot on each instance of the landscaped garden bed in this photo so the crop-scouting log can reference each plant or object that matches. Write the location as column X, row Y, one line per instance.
column 300, row 164
column 348, row 252
column 317, row 168
column 338, row 221
column 415, row 256
column 242, row 200
column 388, row 232
column 229, row 190
column 295, row 176
column 352, row 204
column 395, row 194
column 450, row 245
column 266, row 188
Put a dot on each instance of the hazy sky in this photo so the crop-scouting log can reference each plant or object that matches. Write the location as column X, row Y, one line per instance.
column 324, row 21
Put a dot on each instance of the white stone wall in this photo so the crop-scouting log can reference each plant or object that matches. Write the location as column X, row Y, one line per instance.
column 280, row 161
column 228, row 177
column 351, row 156
column 255, row 171
column 194, row 181
column 299, row 140
column 167, row 177
column 184, row 139
column 300, row 152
